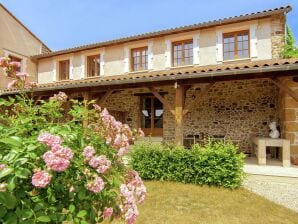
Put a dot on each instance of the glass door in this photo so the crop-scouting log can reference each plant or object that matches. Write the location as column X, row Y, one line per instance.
column 151, row 116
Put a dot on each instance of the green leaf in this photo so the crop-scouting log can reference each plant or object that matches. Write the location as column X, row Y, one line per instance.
column 10, row 218
column 82, row 213
column 11, row 184
column 3, row 211
column 13, row 141
column 5, row 172
column 71, row 208
column 44, row 218
column 8, row 200
column 27, row 213
column 23, row 173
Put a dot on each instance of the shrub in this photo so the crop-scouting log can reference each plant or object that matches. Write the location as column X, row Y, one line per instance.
column 56, row 169
column 216, row 164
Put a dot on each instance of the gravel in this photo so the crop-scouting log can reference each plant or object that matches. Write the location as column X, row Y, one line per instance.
column 281, row 190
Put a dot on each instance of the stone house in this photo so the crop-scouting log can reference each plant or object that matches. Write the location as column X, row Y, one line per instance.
column 223, row 78
column 18, row 43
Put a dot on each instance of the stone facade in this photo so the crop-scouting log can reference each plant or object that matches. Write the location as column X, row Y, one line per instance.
column 237, row 109
column 277, row 35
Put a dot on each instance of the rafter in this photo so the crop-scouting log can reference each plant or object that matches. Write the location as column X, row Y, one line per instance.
column 162, row 99
column 285, row 89
column 193, row 104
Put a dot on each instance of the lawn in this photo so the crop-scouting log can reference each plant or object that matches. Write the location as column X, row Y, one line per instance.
column 171, row 203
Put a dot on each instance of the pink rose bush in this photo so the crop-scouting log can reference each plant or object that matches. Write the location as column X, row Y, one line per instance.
column 41, row 179
column 19, row 79
column 59, row 157
column 67, row 171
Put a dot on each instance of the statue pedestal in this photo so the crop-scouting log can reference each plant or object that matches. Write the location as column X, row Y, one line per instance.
column 262, row 143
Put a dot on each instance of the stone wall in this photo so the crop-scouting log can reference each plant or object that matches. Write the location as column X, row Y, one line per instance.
column 237, row 109
column 277, row 35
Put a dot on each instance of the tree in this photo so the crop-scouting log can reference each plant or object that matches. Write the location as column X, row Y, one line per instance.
column 290, row 49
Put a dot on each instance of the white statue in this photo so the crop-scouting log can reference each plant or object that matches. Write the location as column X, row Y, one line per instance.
column 274, row 133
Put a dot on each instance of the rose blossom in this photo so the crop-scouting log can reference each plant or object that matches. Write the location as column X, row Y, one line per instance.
column 49, row 139
column 96, row 185
column 88, row 152
column 107, row 213
column 41, row 179
column 62, row 152
column 55, row 162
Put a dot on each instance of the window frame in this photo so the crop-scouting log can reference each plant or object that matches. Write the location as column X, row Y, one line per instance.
column 60, row 70
column 235, row 33
column 87, row 65
column 183, row 42
column 141, row 58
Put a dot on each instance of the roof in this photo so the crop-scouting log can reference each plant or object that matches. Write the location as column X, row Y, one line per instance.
column 18, row 21
column 237, row 71
column 224, row 21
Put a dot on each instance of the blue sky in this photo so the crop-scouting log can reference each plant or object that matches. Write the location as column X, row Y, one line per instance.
column 62, row 24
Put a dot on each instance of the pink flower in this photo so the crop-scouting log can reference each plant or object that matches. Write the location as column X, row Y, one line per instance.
column 102, row 169
column 41, row 179
column 62, row 152
column 22, row 75
column 96, row 185
column 107, row 213
column 12, row 84
column 2, row 166
column 49, row 139
column 88, row 152
column 94, row 161
column 61, row 96
column 141, row 133
column 15, row 64
column 122, row 151
column 55, row 162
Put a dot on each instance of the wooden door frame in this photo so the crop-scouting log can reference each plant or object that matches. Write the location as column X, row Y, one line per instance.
column 152, row 130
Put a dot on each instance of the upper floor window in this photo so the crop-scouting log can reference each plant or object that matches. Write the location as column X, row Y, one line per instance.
column 64, row 70
column 16, row 59
column 93, row 66
column 236, row 45
column 182, row 53
column 139, row 59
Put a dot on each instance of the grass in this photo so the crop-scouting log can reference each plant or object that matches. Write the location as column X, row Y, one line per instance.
column 171, row 203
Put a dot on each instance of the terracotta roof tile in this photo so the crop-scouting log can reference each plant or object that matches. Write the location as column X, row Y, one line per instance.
column 189, row 72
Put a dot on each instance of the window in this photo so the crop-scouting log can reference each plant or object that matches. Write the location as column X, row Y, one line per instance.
column 139, row 59
column 93, row 66
column 16, row 59
column 64, row 70
column 236, row 45
column 182, row 53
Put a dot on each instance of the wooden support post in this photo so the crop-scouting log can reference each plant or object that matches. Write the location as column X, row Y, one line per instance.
column 179, row 102
column 285, row 89
column 161, row 99
column 105, row 97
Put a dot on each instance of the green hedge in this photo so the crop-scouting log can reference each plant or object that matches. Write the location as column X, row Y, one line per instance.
column 216, row 164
